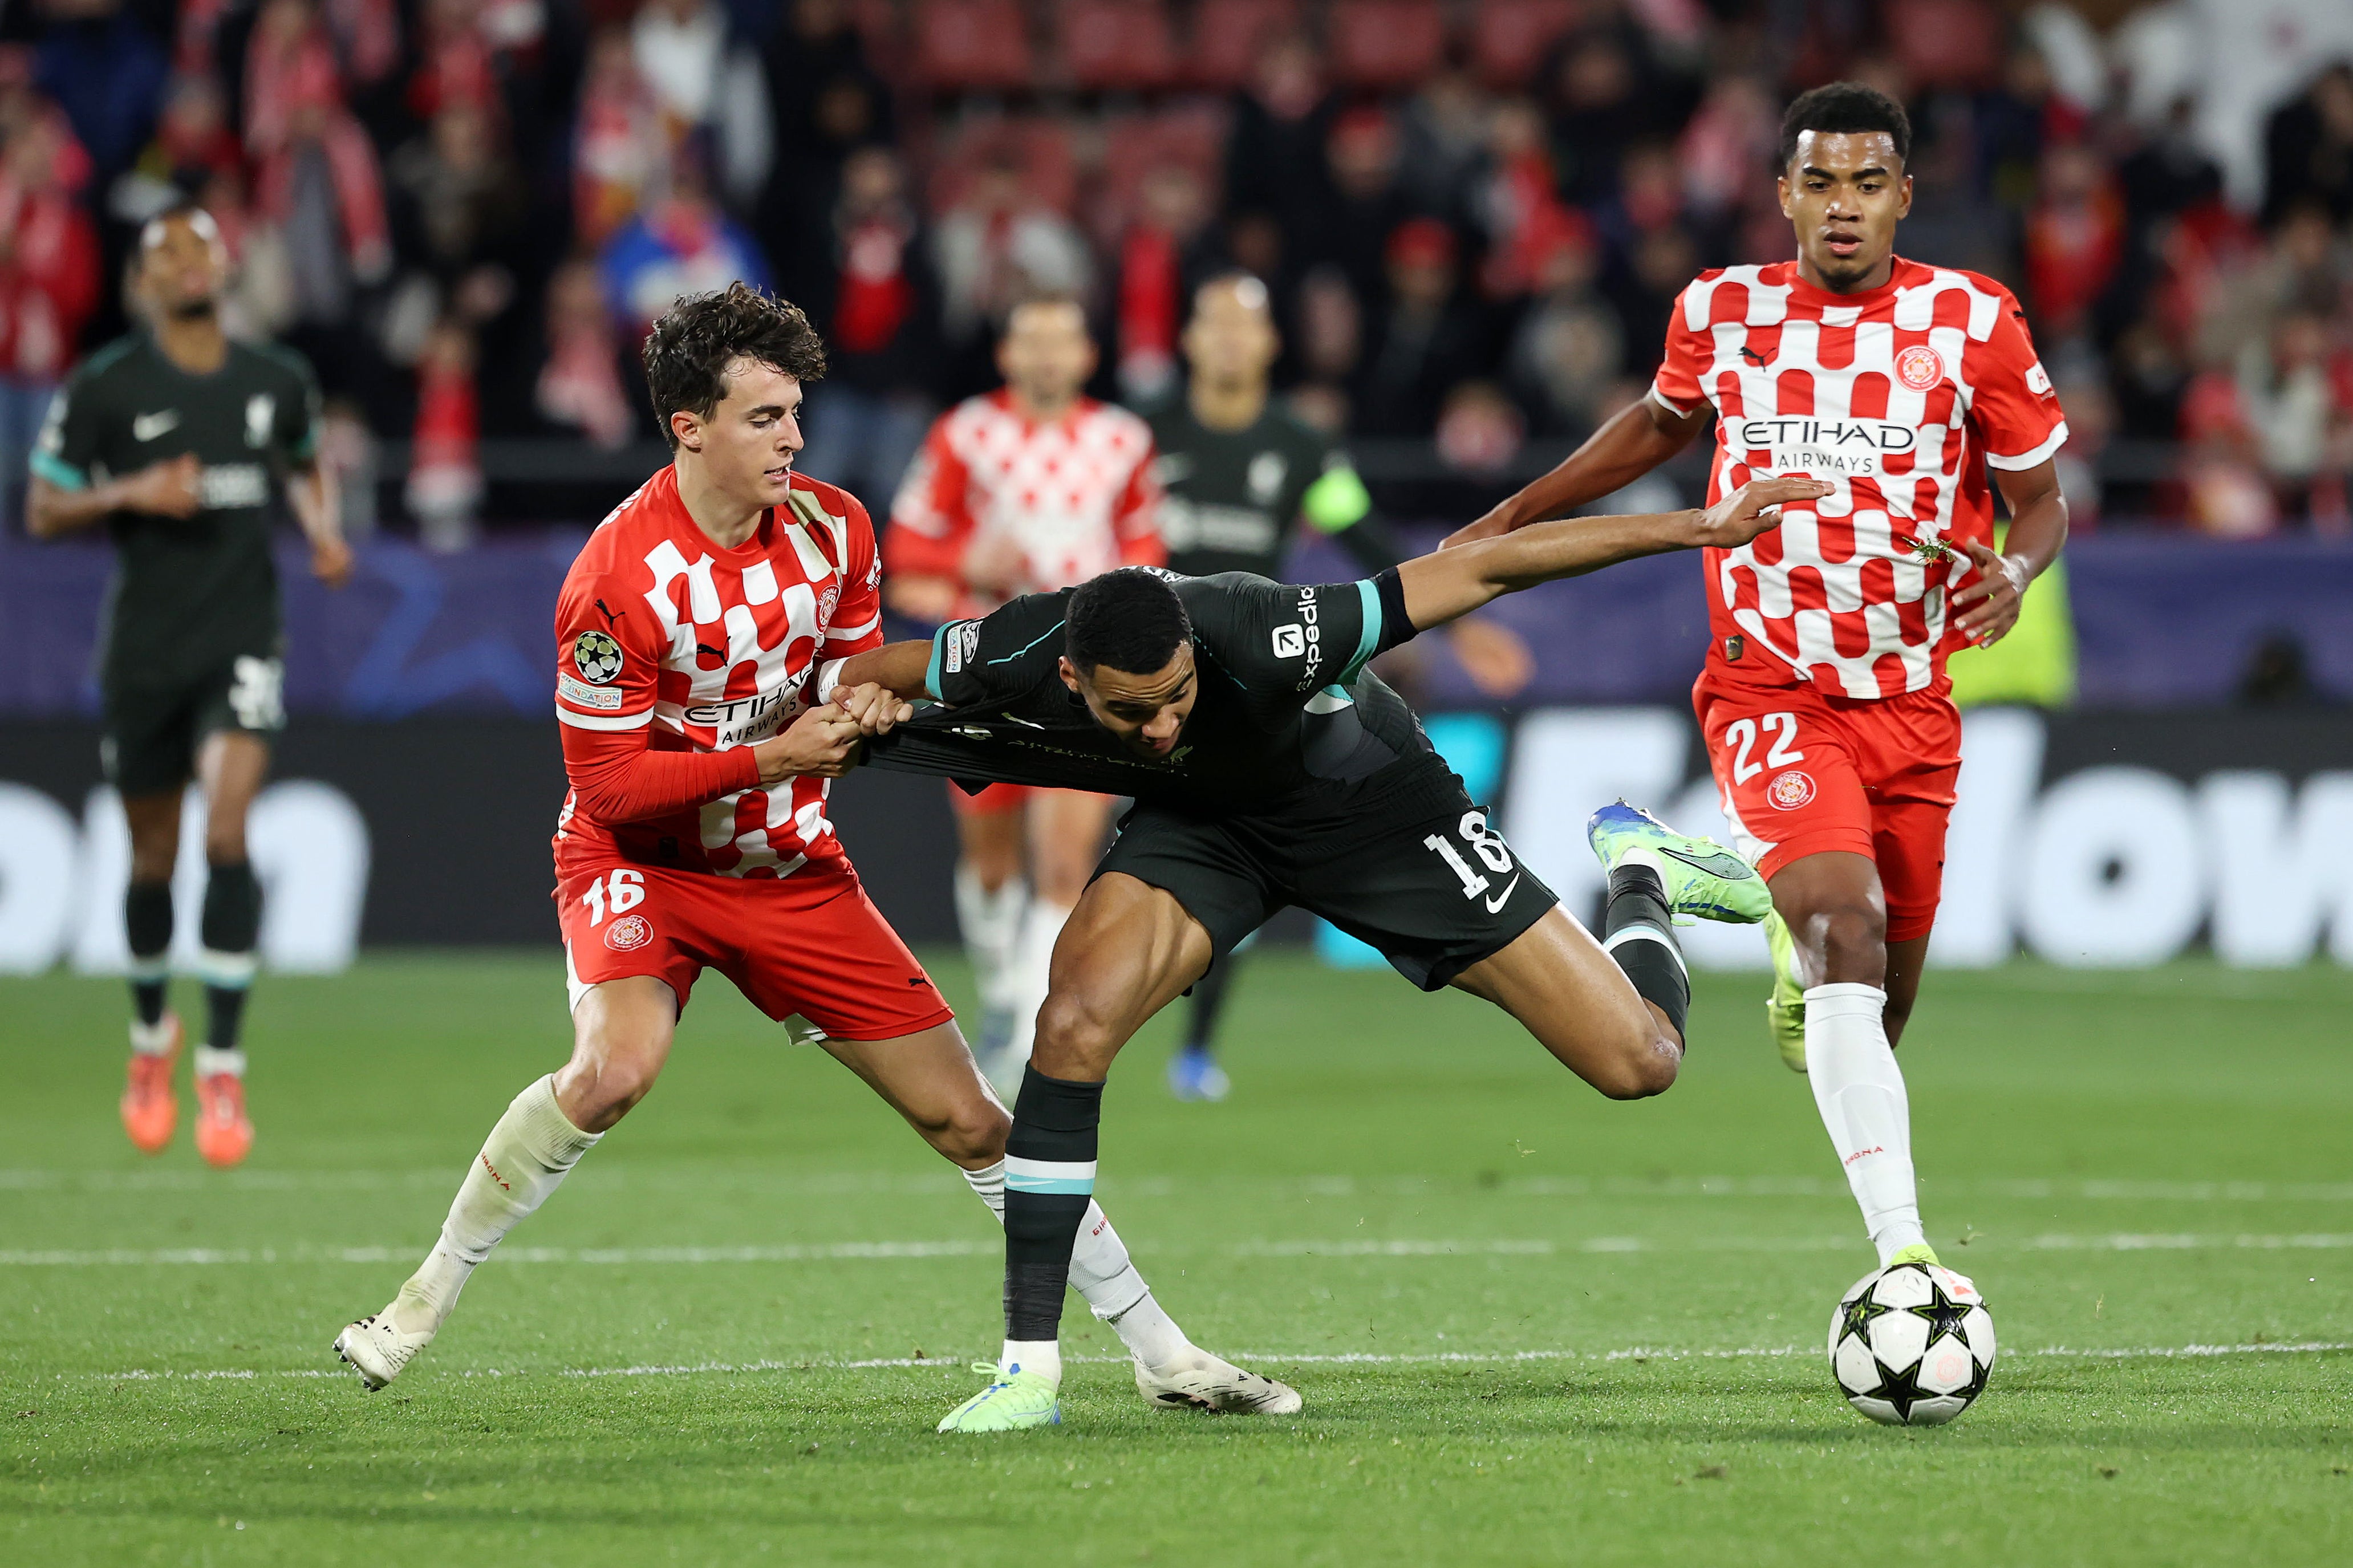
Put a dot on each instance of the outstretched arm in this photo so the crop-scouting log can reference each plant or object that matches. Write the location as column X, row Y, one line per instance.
column 1629, row 444
column 1449, row 582
column 901, row 669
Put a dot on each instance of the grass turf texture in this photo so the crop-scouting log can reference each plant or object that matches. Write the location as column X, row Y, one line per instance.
column 1397, row 1176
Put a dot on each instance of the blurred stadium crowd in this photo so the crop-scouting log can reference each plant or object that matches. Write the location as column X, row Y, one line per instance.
column 1474, row 214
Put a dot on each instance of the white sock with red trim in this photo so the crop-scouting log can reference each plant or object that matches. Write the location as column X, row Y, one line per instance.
column 1859, row 1090
column 1101, row 1271
column 525, row 1157
column 990, row 923
column 1032, row 971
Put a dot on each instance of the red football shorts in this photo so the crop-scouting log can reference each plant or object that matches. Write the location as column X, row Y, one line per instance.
column 1802, row 773
column 815, row 949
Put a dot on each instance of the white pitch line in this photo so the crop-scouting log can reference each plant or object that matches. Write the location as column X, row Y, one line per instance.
column 856, row 1251
column 848, row 1183
column 1347, row 1358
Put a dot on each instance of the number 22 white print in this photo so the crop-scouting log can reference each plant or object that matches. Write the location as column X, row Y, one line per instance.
column 1740, row 736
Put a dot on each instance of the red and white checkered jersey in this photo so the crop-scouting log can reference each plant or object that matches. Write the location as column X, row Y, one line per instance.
column 1075, row 495
column 658, row 628
column 1892, row 395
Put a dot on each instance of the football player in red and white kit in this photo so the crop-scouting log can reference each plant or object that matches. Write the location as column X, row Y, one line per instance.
column 697, row 636
column 1829, row 722
column 1026, row 490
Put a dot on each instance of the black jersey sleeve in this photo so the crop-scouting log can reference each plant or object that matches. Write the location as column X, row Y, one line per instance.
column 1280, row 640
column 67, row 446
column 1000, row 657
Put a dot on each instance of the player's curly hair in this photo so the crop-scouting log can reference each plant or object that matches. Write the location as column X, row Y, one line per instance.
column 689, row 351
column 1129, row 619
column 1847, row 106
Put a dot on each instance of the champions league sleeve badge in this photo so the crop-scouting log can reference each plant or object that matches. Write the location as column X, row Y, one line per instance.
column 598, row 657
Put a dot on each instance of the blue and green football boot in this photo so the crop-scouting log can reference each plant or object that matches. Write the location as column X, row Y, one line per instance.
column 1014, row 1399
column 1703, row 878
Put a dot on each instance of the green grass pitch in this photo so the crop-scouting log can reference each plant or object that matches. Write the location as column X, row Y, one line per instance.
column 1531, row 1326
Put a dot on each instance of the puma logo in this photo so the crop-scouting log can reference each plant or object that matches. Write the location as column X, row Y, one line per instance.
column 610, row 616
column 1752, row 356
column 704, row 647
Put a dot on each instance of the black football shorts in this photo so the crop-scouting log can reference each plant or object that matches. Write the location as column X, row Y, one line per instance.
column 152, row 731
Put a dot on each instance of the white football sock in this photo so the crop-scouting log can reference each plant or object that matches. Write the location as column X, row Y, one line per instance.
column 152, row 1039
column 210, row 1062
column 991, row 923
column 526, row 1156
column 1032, row 974
column 1859, row 1090
column 1101, row 1272
column 1043, row 1357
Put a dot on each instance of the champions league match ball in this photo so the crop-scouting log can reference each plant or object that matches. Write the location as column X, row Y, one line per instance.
column 1912, row 1344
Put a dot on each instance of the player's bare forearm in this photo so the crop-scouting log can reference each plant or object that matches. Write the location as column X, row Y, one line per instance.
column 1448, row 583
column 318, row 507
column 1988, row 601
column 51, row 510
column 901, row 669
column 1629, row 444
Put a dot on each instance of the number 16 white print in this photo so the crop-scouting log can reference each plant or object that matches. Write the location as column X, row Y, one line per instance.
column 1488, row 845
column 1741, row 735
column 625, row 889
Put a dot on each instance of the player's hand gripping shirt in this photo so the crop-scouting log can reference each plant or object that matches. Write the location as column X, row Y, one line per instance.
column 1074, row 498
column 1893, row 397
column 1287, row 722
column 675, row 656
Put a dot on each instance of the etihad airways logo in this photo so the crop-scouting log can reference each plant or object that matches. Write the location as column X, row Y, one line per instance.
column 1826, row 448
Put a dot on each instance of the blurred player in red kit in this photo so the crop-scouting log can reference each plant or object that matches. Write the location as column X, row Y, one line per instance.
column 1026, row 490
column 698, row 637
column 1827, row 710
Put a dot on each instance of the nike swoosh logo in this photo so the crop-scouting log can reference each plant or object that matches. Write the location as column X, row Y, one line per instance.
column 1725, row 864
column 1023, row 722
column 1495, row 904
column 147, row 426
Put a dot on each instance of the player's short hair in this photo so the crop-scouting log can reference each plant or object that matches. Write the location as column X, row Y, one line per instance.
column 1129, row 619
column 1248, row 287
column 689, row 351
column 1845, row 106
column 1049, row 296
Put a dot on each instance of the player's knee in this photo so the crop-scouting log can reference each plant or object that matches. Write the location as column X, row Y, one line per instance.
column 224, row 843
column 595, row 1090
column 1646, row 1067
column 1072, row 1041
column 972, row 1133
column 1854, row 942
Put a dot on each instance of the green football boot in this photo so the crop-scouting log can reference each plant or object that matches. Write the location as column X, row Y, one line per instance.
column 1014, row 1399
column 1919, row 1252
column 1785, row 1010
column 1702, row 877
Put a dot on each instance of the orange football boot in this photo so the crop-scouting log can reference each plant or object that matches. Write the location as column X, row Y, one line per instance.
column 223, row 1134
column 150, row 1107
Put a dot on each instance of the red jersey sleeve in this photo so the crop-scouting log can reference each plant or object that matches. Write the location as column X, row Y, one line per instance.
column 930, row 523
column 1135, row 516
column 1688, row 351
column 857, row 623
column 608, row 651
column 2012, row 402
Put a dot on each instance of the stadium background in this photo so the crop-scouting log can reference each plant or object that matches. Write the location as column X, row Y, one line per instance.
column 1473, row 216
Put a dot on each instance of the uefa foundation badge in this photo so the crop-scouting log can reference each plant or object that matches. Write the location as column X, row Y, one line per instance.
column 1791, row 790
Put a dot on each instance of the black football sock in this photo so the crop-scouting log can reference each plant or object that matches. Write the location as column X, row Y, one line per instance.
column 147, row 922
column 1208, row 1004
column 232, row 926
column 1639, row 931
column 1049, row 1179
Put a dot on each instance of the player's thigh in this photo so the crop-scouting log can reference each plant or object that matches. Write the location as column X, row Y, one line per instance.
column 1129, row 949
column 148, row 750
column 818, row 957
column 1557, row 981
column 154, row 820
column 929, row 1077
column 640, row 923
column 1067, row 828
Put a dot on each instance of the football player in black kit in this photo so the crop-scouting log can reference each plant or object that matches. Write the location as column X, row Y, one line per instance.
column 1268, row 767
column 1237, row 471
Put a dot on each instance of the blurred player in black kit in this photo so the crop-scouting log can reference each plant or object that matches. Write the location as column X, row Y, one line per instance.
column 178, row 440
column 1238, row 471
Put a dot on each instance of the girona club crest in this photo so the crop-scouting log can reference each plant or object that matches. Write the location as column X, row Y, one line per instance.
column 825, row 603
column 1919, row 367
column 629, row 933
column 1791, row 790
